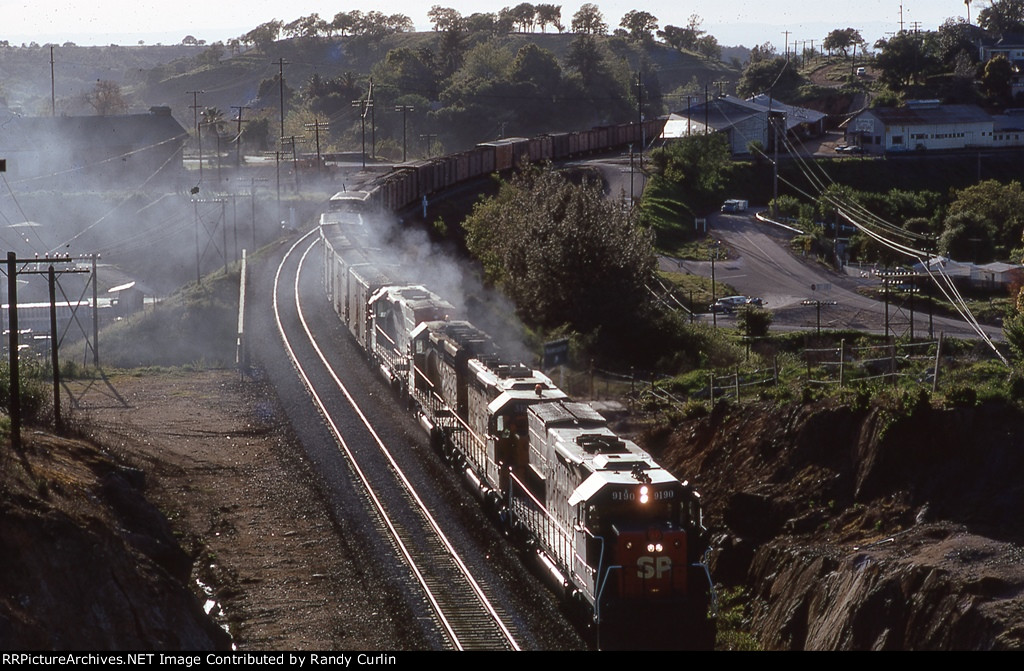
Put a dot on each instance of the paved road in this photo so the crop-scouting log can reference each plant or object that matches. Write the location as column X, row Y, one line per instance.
column 760, row 263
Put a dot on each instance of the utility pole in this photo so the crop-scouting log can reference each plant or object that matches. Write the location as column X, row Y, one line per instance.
column 53, row 96
column 195, row 108
column 787, row 33
column 404, row 109
column 631, row 176
column 195, row 124
column 707, row 104
column 291, row 139
column 714, row 312
column 373, row 123
column 280, row 63
column 639, row 116
column 14, row 384
column 774, row 118
column 365, row 104
column 238, row 134
column 252, row 201
column 316, row 126
column 12, row 349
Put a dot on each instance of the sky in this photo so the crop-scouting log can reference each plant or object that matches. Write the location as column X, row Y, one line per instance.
column 732, row 22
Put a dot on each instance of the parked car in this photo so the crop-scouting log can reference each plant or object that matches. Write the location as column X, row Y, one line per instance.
column 849, row 149
column 755, row 301
column 727, row 303
column 734, row 205
column 861, row 71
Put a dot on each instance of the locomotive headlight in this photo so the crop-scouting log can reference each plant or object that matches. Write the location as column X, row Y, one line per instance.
column 658, row 547
column 650, row 547
column 644, row 496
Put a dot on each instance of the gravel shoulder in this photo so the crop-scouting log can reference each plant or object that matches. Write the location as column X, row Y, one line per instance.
column 222, row 464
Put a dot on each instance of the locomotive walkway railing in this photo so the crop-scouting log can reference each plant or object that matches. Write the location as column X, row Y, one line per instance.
column 456, row 430
column 388, row 352
column 553, row 536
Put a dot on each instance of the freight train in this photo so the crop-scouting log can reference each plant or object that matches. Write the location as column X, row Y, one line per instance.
column 407, row 184
column 618, row 535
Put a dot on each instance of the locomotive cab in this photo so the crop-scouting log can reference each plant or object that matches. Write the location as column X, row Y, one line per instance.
column 644, row 540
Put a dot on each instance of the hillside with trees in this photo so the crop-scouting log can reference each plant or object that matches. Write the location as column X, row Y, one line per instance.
column 521, row 71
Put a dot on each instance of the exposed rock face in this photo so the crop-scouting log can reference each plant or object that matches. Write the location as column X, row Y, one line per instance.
column 87, row 563
column 868, row 528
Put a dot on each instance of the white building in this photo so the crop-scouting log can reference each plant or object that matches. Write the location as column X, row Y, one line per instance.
column 921, row 125
column 742, row 121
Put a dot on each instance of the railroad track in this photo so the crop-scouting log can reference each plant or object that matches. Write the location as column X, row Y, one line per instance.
column 458, row 601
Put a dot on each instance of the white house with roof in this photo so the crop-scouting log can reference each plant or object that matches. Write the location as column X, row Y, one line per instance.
column 921, row 125
column 1010, row 46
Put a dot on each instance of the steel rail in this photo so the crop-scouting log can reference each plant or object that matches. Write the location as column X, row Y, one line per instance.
column 450, row 622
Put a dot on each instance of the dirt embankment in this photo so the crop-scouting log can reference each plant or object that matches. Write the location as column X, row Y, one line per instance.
column 865, row 528
column 102, row 556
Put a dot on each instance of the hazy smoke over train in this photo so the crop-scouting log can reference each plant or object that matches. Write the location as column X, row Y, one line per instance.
column 455, row 279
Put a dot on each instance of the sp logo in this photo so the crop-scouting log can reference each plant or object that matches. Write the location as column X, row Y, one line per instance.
column 653, row 567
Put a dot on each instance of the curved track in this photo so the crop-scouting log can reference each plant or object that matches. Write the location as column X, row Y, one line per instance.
column 456, row 598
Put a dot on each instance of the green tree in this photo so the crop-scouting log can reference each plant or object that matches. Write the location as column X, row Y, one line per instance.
column 955, row 37
column 538, row 67
column 482, row 22
column 639, row 25
column 997, row 79
column 256, row 133
column 445, row 18
column 842, row 40
column 1003, row 17
column 475, row 97
column 523, row 16
column 906, row 59
column 1013, row 327
column 106, row 98
column 264, row 35
column 753, row 322
column 968, row 236
column 549, row 15
column 212, row 55
column 563, row 252
column 683, row 38
column 697, row 166
column 709, row 48
column 762, row 52
column 596, row 90
column 777, row 75
column 344, row 23
column 306, row 26
column 404, row 71
column 588, row 20
column 991, row 210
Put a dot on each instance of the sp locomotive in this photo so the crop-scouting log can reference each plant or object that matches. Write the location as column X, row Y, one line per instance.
column 613, row 531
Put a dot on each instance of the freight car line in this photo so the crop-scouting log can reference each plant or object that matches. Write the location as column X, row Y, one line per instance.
column 408, row 185
column 456, row 598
